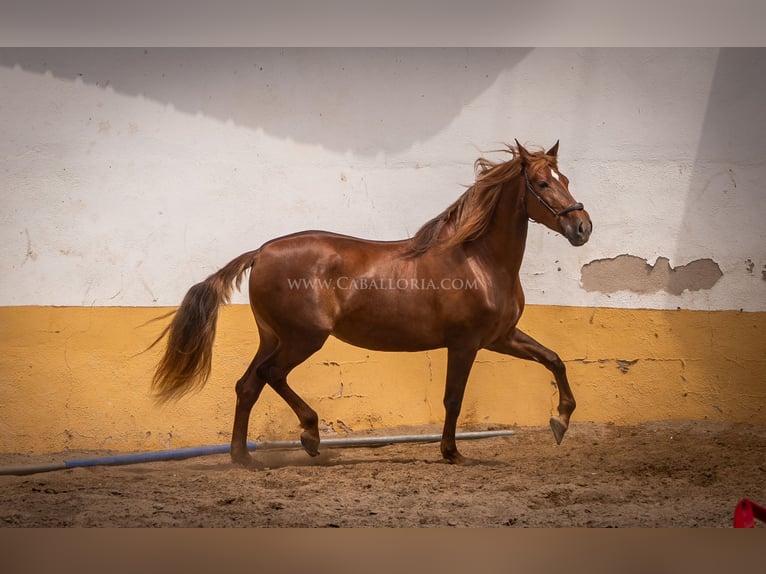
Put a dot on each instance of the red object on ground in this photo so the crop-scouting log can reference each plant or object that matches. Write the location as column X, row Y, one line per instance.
column 746, row 513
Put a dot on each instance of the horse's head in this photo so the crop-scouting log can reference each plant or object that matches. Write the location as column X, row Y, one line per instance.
column 547, row 196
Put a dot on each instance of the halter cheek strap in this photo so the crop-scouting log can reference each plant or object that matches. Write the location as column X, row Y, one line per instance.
column 574, row 207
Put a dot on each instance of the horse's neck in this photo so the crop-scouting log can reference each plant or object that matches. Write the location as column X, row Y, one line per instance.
column 506, row 237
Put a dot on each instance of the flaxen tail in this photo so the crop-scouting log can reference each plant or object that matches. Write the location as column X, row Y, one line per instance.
column 186, row 363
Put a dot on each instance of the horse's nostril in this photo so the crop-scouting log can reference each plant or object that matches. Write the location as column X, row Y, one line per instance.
column 584, row 229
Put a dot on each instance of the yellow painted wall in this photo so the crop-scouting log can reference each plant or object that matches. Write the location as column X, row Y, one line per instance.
column 73, row 378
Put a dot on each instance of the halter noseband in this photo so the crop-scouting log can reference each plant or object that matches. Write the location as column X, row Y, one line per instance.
column 574, row 207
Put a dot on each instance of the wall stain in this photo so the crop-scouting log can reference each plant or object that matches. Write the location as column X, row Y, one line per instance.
column 30, row 252
column 630, row 273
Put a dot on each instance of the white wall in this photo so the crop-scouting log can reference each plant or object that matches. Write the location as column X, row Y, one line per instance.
column 128, row 175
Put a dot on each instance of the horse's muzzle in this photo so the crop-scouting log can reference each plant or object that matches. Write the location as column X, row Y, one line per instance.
column 576, row 226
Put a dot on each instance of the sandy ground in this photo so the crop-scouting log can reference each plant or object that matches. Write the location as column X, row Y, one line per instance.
column 663, row 474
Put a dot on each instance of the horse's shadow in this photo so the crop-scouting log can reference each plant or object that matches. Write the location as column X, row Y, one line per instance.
column 335, row 457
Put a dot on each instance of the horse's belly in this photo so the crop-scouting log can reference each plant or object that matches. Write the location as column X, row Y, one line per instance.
column 395, row 334
column 414, row 322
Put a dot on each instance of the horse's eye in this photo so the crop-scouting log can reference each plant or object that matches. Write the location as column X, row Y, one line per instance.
column 543, row 184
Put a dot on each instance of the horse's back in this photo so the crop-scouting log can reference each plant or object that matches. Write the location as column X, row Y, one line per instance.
column 367, row 293
column 301, row 279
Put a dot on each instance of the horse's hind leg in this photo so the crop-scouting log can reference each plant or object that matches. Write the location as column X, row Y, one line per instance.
column 307, row 416
column 248, row 389
column 275, row 371
column 521, row 345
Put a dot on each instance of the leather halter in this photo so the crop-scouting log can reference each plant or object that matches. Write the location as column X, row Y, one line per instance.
column 574, row 207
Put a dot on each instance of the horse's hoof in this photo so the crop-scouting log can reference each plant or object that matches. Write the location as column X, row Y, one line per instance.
column 310, row 442
column 242, row 458
column 558, row 428
column 455, row 458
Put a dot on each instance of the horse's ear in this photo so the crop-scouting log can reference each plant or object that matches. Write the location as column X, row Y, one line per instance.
column 523, row 153
column 554, row 151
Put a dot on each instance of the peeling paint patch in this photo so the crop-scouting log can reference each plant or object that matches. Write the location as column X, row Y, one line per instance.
column 631, row 273
column 344, row 427
column 625, row 365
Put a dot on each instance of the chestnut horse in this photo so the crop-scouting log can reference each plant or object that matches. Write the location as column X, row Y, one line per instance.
column 455, row 284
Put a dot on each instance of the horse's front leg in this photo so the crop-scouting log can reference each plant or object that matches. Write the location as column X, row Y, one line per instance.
column 519, row 344
column 459, row 363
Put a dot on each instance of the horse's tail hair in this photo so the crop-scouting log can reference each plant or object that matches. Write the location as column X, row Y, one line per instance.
column 186, row 364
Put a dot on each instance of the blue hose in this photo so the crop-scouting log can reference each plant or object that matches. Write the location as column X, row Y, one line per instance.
column 160, row 455
column 184, row 453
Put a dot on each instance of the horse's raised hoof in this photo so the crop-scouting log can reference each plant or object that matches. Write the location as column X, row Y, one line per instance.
column 310, row 442
column 558, row 428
